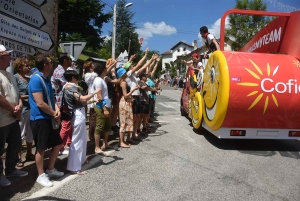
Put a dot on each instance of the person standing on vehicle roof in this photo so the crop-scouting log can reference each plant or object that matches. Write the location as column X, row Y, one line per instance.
column 210, row 41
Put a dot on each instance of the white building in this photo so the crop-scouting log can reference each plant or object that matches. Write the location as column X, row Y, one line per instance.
column 181, row 48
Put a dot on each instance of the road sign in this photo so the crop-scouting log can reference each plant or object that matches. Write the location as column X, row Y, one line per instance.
column 74, row 48
column 9, row 44
column 23, row 11
column 38, row 2
column 16, row 54
column 23, row 33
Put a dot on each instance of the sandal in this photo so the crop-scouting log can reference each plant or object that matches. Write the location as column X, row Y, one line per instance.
column 79, row 172
column 30, row 157
column 108, row 147
column 124, row 146
column 100, row 153
column 20, row 163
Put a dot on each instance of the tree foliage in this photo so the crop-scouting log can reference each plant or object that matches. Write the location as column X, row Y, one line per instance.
column 125, row 30
column 173, row 66
column 244, row 27
column 82, row 20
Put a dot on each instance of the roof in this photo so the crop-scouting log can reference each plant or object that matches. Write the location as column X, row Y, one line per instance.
column 167, row 53
column 181, row 43
column 96, row 59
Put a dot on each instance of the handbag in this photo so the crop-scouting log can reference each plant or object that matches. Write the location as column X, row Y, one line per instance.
column 66, row 114
column 54, row 123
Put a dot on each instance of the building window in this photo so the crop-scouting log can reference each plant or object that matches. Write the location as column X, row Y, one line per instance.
column 178, row 50
column 184, row 49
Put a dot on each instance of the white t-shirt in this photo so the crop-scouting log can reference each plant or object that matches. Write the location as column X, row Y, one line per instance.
column 8, row 89
column 132, row 82
column 209, row 38
column 99, row 83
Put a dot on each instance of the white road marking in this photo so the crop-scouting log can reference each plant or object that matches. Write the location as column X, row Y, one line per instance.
column 65, row 179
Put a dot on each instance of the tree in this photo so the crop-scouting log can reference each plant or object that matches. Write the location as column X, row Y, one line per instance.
column 125, row 30
column 244, row 27
column 82, row 19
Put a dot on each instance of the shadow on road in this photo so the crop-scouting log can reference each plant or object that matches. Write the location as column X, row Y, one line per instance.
column 259, row 147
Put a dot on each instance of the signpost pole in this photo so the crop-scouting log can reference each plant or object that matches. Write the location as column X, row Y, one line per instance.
column 71, row 48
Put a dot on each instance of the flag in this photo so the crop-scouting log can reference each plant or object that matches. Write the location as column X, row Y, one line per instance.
column 141, row 40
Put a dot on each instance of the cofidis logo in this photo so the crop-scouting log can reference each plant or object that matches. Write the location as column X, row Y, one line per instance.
column 268, row 86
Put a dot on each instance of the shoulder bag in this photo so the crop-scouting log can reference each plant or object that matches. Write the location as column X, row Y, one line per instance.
column 66, row 114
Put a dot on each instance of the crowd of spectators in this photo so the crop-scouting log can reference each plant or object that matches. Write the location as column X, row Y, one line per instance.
column 47, row 108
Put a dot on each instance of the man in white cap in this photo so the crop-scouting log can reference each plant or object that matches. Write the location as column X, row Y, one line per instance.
column 10, row 110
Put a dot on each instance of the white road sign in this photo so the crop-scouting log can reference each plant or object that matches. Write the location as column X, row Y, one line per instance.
column 16, row 54
column 15, row 30
column 17, row 47
column 38, row 2
column 23, row 11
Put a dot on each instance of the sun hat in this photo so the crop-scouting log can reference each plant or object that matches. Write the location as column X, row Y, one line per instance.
column 3, row 50
column 120, row 72
column 127, row 65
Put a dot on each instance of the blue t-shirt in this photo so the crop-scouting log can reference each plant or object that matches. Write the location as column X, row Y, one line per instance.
column 36, row 85
column 151, row 84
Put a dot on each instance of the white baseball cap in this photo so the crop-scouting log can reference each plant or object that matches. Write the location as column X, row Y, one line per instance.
column 3, row 50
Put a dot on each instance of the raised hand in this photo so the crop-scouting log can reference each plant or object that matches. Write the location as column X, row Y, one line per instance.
column 132, row 57
column 146, row 51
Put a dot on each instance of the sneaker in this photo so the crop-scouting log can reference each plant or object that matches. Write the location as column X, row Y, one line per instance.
column 17, row 173
column 54, row 173
column 65, row 152
column 44, row 180
column 4, row 181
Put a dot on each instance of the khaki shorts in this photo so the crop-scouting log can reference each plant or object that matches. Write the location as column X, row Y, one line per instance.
column 102, row 123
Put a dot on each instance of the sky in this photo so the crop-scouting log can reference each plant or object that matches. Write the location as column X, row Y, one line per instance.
column 164, row 23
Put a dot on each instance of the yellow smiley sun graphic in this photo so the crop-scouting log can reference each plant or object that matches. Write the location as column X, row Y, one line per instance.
column 253, row 84
column 296, row 63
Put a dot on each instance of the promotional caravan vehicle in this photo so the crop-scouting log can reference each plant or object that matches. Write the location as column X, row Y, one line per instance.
column 253, row 93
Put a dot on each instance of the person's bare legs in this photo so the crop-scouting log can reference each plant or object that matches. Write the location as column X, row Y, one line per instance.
column 121, row 140
column 97, row 143
column 105, row 141
column 53, row 155
column 39, row 160
column 136, row 118
column 140, row 121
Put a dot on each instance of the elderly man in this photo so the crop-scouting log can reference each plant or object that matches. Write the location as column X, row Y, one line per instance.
column 10, row 110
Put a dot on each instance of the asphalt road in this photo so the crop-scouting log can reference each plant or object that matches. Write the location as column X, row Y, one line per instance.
column 175, row 162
